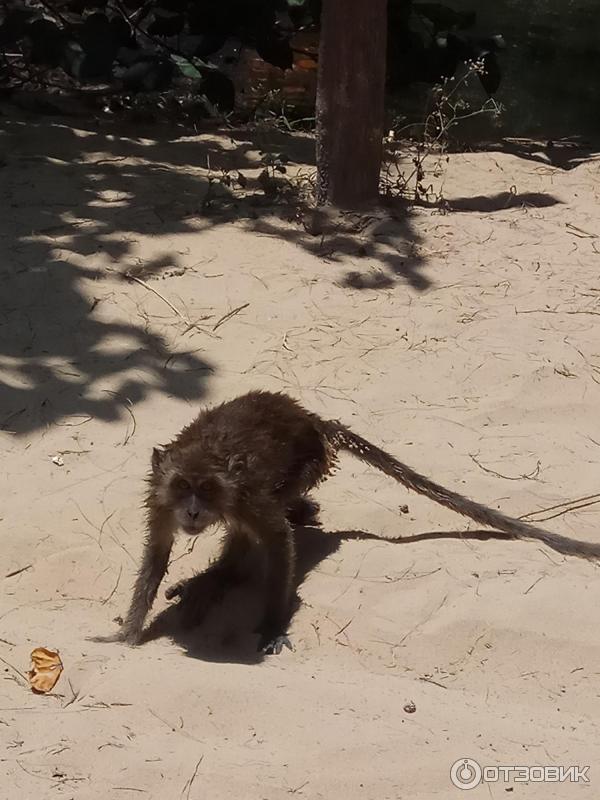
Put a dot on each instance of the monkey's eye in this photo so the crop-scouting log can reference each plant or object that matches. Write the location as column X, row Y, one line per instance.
column 181, row 485
column 206, row 488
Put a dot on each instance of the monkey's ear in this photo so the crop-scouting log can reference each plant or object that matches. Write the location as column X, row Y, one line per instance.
column 236, row 463
column 158, row 456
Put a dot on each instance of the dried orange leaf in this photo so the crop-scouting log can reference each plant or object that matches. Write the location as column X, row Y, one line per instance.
column 46, row 667
column 306, row 63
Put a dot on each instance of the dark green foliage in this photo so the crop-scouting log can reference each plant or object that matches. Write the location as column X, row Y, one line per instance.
column 145, row 45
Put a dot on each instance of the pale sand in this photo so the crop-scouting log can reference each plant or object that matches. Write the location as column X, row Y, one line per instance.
column 495, row 642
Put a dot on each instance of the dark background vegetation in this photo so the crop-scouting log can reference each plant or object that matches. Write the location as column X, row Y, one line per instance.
column 551, row 80
column 547, row 76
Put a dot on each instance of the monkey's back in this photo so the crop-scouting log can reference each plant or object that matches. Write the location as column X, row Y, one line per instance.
column 282, row 443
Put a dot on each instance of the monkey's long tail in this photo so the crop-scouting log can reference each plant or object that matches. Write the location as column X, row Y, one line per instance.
column 343, row 438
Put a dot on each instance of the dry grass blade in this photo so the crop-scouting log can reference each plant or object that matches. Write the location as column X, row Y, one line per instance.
column 188, row 786
column 127, row 403
column 229, row 315
column 529, row 476
column 190, row 325
column 128, row 276
column 18, row 571
column 114, row 589
column 561, row 505
column 18, row 675
column 579, row 231
column 555, row 311
column 572, row 505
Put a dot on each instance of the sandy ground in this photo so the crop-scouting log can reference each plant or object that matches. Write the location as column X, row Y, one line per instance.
column 477, row 361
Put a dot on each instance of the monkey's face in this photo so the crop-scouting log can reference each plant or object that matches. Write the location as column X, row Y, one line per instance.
column 198, row 491
column 195, row 502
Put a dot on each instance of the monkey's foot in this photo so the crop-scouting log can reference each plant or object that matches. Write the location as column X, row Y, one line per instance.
column 273, row 645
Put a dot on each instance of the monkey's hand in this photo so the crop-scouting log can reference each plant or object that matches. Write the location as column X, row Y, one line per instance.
column 205, row 587
column 196, row 595
column 177, row 590
column 129, row 633
column 123, row 636
column 273, row 645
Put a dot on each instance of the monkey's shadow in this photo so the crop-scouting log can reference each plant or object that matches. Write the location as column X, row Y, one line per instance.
column 225, row 634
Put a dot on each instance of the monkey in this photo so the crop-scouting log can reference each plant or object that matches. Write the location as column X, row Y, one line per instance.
column 250, row 464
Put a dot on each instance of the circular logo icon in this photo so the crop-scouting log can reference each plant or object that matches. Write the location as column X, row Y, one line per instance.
column 465, row 773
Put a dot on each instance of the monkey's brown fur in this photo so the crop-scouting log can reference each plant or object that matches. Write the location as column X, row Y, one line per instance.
column 250, row 464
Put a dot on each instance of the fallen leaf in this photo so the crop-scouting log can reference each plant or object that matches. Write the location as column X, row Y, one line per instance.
column 46, row 667
column 306, row 63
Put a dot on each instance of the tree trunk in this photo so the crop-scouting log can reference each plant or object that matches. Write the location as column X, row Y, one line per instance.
column 350, row 101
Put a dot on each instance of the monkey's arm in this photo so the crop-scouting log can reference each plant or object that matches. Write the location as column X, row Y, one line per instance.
column 157, row 550
column 278, row 540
